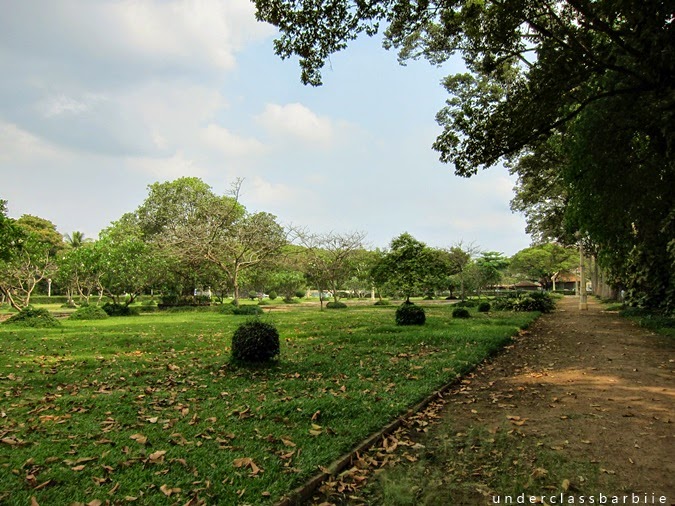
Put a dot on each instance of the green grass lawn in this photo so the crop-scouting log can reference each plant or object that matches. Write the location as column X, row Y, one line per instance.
column 149, row 410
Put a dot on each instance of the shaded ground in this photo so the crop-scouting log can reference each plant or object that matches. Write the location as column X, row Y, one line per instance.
column 589, row 386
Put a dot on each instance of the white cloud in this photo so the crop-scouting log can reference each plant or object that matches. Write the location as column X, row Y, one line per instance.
column 296, row 121
column 228, row 143
column 19, row 147
column 143, row 34
column 167, row 168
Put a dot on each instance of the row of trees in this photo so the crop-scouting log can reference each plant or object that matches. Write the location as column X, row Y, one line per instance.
column 576, row 96
column 184, row 237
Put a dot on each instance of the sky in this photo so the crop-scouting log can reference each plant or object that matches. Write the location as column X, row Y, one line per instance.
column 100, row 98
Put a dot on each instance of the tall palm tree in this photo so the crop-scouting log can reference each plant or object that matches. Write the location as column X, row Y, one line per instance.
column 76, row 239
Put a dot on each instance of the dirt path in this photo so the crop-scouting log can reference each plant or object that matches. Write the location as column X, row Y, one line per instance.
column 591, row 384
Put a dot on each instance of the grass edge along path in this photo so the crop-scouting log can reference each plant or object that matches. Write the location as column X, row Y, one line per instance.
column 88, row 408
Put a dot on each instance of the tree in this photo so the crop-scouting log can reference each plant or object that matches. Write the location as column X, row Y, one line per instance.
column 124, row 264
column 76, row 239
column 11, row 236
column 490, row 266
column 408, row 266
column 578, row 93
column 544, row 262
column 252, row 239
column 32, row 261
column 328, row 259
column 288, row 282
column 186, row 220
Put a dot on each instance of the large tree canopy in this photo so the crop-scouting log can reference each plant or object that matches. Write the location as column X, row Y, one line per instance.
column 576, row 94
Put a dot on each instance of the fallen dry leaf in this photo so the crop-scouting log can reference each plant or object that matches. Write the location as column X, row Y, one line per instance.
column 247, row 462
column 139, row 438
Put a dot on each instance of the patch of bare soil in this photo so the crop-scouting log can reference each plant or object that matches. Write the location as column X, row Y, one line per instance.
column 593, row 385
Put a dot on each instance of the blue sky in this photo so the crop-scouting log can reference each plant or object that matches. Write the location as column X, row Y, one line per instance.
column 101, row 98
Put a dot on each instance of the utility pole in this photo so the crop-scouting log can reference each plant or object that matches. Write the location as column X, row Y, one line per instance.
column 583, row 297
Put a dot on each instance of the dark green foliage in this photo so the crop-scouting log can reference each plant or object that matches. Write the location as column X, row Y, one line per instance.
column 226, row 308
column 525, row 301
column 410, row 314
column 336, row 305
column 31, row 317
column 119, row 310
column 264, row 302
column 467, row 303
column 460, row 312
column 174, row 300
column 382, row 303
column 255, row 341
column 300, row 294
column 252, row 294
column 273, row 295
column 484, row 307
column 247, row 310
column 89, row 313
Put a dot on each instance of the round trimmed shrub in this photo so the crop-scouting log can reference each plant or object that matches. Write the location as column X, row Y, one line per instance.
column 255, row 341
column 89, row 313
column 382, row 302
column 484, row 307
column 460, row 312
column 300, row 294
column 249, row 310
column 31, row 317
column 273, row 295
column 410, row 314
column 336, row 305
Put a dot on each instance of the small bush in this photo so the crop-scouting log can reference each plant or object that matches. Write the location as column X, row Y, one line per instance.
column 264, row 302
column 526, row 301
column 255, row 341
column 336, row 305
column 382, row 302
column 31, row 317
column 460, row 312
column 300, row 294
column 484, row 307
column 249, row 310
column 119, row 310
column 89, row 313
column 273, row 295
column 410, row 314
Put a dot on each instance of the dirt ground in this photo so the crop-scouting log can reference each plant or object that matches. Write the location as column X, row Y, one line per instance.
column 594, row 385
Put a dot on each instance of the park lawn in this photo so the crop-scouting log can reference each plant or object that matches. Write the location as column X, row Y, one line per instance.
column 149, row 408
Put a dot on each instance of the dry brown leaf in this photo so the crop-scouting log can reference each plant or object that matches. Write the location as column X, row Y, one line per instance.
column 565, row 485
column 157, row 456
column 139, row 438
column 33, row 501
column 167, row 491
column 539, row 472
column 77, row 468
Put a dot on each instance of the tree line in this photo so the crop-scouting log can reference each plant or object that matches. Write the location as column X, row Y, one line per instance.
column 184, row 239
